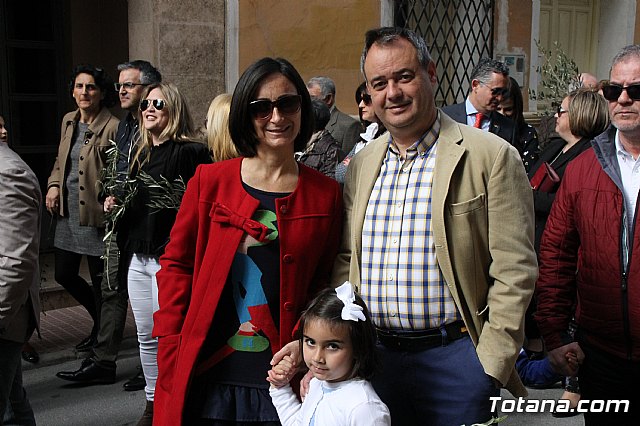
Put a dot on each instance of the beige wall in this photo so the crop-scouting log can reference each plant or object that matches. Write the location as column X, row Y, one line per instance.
column 185, row 41
column 319, row 37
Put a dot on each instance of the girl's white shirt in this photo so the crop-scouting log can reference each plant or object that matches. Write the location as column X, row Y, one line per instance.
column 350, row 402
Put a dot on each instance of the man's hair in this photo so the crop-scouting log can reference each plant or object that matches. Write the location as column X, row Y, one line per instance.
column 387, row 35
column 148, row 73
column 588, row 113
column 326, row 85
column 241, row 120
column 627, row 52
column 487, row 66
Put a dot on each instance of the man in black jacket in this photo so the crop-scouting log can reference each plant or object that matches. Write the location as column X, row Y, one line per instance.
column 489, row 86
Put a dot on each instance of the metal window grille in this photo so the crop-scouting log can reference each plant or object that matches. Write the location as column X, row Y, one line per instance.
column 458, row 32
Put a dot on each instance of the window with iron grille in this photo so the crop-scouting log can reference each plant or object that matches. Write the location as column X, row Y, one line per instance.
column 458, row 32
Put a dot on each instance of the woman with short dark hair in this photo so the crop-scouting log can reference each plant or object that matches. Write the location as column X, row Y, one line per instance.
column 254, row 240
column 72, row 193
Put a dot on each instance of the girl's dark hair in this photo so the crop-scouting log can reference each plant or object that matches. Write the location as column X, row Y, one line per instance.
column 240, row 119
column 327, row 307
column 102, row 79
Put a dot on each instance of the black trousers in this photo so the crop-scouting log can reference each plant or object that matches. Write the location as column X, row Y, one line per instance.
column 67, row 274
column 605, row 377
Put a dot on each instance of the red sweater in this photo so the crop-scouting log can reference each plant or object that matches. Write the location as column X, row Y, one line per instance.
column 198, row 258
column 581, row 259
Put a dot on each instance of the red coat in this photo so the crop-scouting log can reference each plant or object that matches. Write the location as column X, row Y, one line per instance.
column 198, row 258
column 584, row 233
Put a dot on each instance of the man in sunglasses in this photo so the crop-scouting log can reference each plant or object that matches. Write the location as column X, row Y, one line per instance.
column 590, row 253
column 100, row 366
column 489, row 86
column 344, row 129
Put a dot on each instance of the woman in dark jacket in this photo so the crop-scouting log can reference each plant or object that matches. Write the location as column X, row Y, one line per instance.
column 166, row 152
column 582, row 115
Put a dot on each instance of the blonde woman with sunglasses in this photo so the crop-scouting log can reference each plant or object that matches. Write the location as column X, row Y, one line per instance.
column 167, row 150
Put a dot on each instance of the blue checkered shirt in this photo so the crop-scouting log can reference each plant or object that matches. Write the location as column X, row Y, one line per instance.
column 401, row 281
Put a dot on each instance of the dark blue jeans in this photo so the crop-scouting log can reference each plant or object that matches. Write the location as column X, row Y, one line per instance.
column 440, row 386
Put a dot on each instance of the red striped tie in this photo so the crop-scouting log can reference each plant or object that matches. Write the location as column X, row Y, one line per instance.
column 479, row 118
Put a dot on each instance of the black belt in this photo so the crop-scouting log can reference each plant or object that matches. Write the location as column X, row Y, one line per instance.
column 416, row 341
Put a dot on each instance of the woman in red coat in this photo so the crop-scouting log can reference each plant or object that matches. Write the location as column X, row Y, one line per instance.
column 254, row 240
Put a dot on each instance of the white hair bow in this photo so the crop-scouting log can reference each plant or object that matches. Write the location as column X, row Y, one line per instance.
column 351, row 311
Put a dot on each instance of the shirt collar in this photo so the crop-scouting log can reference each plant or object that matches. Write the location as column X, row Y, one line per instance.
column 469, row 108
column 620, row 151
column 424, row 143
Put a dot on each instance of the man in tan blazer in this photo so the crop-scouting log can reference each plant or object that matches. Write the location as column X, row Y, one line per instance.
column 19, row 276
column 438, row 239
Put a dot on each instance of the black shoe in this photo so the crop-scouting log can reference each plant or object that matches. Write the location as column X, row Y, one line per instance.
column 562, row 414
column 86, row 344
column 89, row 372
column 135, row 383
column 31, row 356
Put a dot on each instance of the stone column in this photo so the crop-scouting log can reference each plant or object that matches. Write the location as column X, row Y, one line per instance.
column 185, row 40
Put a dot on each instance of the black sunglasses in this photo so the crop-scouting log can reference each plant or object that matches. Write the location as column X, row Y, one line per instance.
column 157, row 104
column 496, row 91
column 366, row 98
column 263, row 108
column 560, row 110
column 612, row 92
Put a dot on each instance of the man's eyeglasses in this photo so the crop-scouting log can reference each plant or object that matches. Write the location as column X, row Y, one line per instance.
column 262, row 109
column 497, row 91
column 128, row 86
column 612, row 92
column 157, row 104
column 366, row 98
column 560, row 110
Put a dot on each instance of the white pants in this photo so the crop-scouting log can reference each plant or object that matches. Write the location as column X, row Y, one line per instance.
column 143, row 294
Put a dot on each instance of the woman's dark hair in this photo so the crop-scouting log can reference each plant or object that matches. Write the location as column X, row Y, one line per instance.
column 362, row 88
column 102, row 79
column 240, row 119
column 518, row 105
column 321, row 115
column 327, row 307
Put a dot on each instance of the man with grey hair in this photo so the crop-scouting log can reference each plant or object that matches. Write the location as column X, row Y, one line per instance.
column 589, row 255
column 489, row 86
column 344, row 129
column 100, row 366
column 438, row 241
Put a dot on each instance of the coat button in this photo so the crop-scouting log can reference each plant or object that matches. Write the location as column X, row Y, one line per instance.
column 80, row 172
column 287, row 258
column 283, row 209
column 81, row 202
column 86, row 142
column 81, row 157
column 288, row 306
column 81, row 188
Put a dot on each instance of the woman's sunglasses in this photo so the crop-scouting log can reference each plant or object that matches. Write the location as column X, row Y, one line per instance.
column 366, row 98
column 612, row 92
column 262, row 109
column 157, row 104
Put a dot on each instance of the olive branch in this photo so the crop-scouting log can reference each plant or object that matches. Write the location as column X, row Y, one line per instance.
column 163, row 194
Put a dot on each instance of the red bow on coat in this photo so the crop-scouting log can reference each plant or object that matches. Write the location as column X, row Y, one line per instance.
column 222, row 214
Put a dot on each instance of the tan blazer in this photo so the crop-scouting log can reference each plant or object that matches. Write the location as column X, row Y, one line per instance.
column 93, row 158
column 19, row 247
column 482, row 221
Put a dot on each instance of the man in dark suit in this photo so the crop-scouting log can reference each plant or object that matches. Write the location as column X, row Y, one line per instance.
column 344, row 129
column 489, row 85
column 19, row 276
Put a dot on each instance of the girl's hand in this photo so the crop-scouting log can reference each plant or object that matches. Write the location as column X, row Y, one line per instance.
column 282, row 373
column 109, row 203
